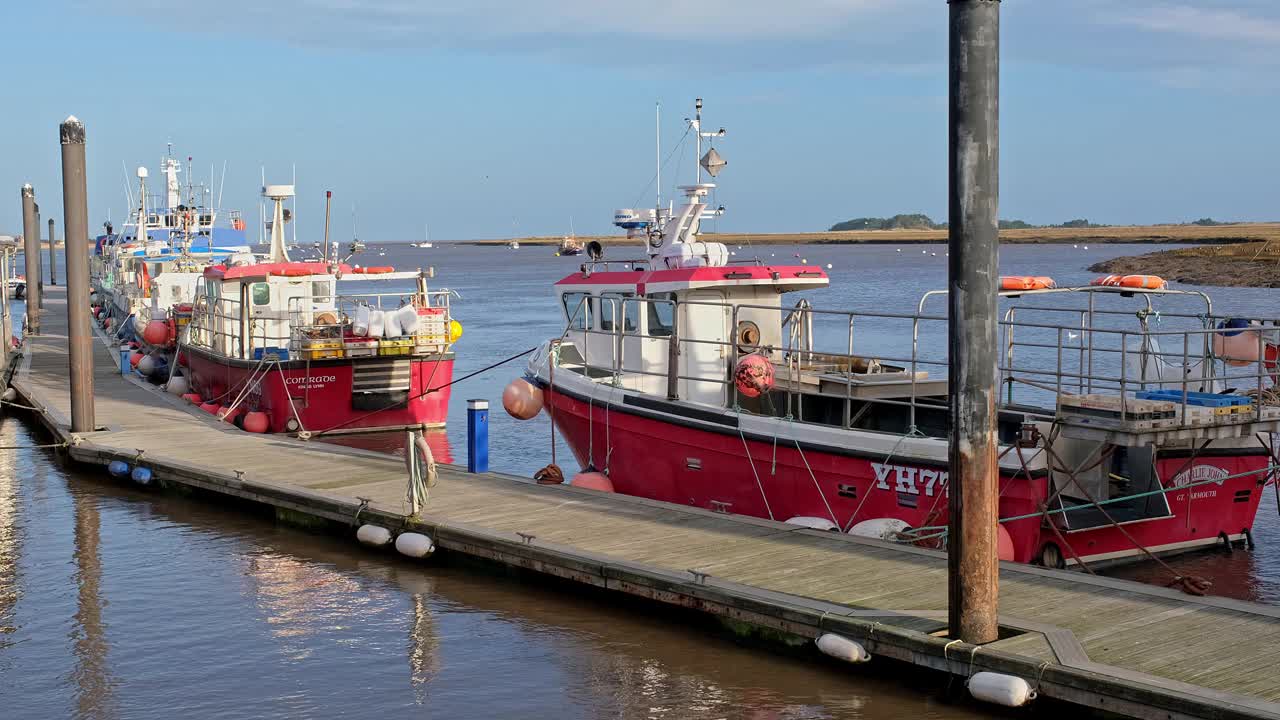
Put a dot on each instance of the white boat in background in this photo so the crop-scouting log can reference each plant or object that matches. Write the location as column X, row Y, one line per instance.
column 514, row 244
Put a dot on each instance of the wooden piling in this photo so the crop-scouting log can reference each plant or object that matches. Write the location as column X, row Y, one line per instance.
column 973, row 281
column 75, row 221
column 53, row 258
column 31, row 254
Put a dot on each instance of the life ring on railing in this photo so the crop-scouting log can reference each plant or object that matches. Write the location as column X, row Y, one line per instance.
column 423, row 449
column 291, row 272
column 1026, row 282
column 1140, row 282
column 378, row 270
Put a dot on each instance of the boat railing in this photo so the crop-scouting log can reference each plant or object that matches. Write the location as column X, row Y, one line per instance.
column 851, row 356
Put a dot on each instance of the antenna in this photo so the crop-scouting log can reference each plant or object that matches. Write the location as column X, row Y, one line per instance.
column 657, row 144
column 697, row 130
column 293, row 205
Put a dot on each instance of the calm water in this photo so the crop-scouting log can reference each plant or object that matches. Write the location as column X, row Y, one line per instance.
column 120, row 604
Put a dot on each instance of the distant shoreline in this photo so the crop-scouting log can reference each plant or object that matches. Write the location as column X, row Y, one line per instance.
column 1145, row 234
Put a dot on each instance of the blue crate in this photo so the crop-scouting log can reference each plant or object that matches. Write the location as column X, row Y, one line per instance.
column 281, row 354
column 1201, row 399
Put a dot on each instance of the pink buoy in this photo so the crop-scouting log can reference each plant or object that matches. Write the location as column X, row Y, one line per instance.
column 256, row 422
column 592, row 481
column 229, row 416
column 1239, row 349
column 1004, row 544
column 193, row 398
column 135, row 358
column 753, row 376
column 522, row 399
column 156, row 333
column 210, row 407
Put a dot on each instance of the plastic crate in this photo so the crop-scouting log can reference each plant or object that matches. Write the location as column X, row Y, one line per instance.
column 361, row 348
column 275, row 353
column 398, row 346
column 321, row 349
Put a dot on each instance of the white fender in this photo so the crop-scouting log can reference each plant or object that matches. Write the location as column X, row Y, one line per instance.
column 415, row 545
column 373, row 535
column 815, row 523
column 842, row 648
column 879, row 528
column 1007, row 690
column 177, row 385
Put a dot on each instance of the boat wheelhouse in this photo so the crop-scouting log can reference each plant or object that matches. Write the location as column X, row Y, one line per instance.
column 1132, row 418
column 321, row 348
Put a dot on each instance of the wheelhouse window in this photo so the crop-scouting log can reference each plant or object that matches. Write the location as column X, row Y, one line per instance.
column 320, row 291
column 577, row 310
column 612, row 311
column 261, row 293
column 661, row 313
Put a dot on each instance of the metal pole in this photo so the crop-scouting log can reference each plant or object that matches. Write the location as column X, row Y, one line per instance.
column 39, row 262
column 973, row 200
column 328, row 201
column 53, row 258
column 75, row 224
column 31, row 255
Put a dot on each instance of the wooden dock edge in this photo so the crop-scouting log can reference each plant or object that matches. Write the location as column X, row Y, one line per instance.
column 1091, row 685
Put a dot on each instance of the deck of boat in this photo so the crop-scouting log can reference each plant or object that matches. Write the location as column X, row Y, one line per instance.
column 1125, row 647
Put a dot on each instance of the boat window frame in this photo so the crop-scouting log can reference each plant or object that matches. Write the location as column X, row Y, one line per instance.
column 656, row 327
column 618, row 300
column 253, row 294
column 583, row 320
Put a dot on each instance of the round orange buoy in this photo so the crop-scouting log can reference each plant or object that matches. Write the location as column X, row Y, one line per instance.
column 753, row 375
column 135, row 358
column 592, row 481
column 522, row 399
column 156, row 332
column 210, row 407
column 230, row 416
column 256, row 422
column 1004, row 544
column 193, row 398
column 1026, row 282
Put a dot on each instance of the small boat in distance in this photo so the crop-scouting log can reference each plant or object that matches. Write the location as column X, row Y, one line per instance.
column 426, row 242
column 571, row 245
column 514, row 244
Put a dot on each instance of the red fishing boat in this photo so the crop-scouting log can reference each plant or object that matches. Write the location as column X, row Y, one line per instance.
column 318, row 347
column 1123, row 429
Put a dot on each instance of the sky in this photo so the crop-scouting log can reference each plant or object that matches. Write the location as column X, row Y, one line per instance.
column 497, row 118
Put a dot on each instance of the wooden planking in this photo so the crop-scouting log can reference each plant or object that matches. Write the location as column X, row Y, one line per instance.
column 1149, row 638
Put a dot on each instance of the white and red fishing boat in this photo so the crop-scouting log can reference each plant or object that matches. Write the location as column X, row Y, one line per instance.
column 688, row 378
column 319, row 347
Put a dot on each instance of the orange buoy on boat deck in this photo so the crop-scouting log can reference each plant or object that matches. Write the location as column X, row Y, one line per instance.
column 1140, row 282
column 156, row 332
column 256, row 422
column 592, row 481
column 1026, row 282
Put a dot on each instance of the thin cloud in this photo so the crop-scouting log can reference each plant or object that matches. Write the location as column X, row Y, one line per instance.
column 1215, row 24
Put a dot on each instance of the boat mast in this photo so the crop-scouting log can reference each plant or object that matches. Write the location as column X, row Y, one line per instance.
column 657, row 146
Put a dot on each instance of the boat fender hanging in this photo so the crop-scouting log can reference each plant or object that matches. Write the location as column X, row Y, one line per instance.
column 842, row 648
column 1000, row 689
column 118, row 469
column 141, row 475
column 522, row 399
column 414, row 545
column 813, row 523
column 880, row 528
column 373, row 535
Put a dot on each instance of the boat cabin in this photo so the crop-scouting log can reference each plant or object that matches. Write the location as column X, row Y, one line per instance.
column 622, row 323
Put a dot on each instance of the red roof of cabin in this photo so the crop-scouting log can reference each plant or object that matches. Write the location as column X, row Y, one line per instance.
column 725, row 274
column 222, row 272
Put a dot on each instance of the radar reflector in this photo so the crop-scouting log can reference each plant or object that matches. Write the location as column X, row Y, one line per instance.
column 712, row 162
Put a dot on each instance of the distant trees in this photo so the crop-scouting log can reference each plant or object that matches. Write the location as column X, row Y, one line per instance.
column 1077, row 223
column 914, row 221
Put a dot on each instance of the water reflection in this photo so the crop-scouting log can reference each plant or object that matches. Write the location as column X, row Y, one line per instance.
column 91, row 675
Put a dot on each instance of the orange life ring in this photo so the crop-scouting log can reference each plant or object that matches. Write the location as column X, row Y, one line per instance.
column 1142, row 282
column 374, row 270
column 1026, row 282
column 292, row 272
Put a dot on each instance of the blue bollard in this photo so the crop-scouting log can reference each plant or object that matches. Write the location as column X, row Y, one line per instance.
column 477, row 436
column 125, row 353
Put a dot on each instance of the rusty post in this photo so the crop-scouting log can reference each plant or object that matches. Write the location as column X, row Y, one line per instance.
column 53, row 258
column 31, row 256
column 75, row 227
column 39, row 262
column 973, row 279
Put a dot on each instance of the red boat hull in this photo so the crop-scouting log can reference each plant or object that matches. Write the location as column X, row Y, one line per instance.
column 321, row 394
column 659, row 459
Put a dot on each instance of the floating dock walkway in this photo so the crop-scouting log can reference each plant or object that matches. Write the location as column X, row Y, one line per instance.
column 1119, row 646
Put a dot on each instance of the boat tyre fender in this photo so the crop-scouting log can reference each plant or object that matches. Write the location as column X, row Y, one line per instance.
column 1226, row 541
column 1050, row 556
column 1248, row 538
